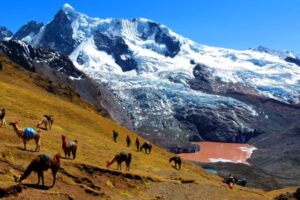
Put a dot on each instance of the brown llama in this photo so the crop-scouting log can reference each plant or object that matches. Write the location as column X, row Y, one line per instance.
column 177, row 161
column 2, row 118
column 27, row 134
column 147, row 146
column 47, row 121
column 128, row 141
column 115, row 135
column 137, row 144
column 69, row 148
column 121, row 157
column 40, row 164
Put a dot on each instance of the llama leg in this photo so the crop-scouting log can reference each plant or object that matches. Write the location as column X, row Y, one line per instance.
column 45, row 125
column 24, row 142
column 54, row 172
column 39, row 177
column 74, row 154
column 38, row 142
column 37, row 145
column 42, row 177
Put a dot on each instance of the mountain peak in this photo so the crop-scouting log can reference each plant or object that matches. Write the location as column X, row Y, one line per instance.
column 69, row 11
column 67, row 7
column 5, row 33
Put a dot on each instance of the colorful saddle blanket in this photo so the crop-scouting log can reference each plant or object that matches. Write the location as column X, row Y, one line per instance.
column 72, row 145
column 123, row 154
column 29, row 133
column 45, row 160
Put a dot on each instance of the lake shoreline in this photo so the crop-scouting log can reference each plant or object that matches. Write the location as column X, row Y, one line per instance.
column 212, row 152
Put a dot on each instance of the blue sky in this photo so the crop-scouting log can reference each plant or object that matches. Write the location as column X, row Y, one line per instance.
column 237, row 24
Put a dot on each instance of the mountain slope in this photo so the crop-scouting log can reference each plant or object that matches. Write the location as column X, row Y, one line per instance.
column 86, row 177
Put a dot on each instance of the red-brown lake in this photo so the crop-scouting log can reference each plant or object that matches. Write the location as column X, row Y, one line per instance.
column 211, row 152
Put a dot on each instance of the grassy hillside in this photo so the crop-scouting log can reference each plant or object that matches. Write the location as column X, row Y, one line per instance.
column 150, row 177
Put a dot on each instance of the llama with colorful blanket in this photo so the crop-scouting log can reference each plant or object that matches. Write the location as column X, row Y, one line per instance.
column 27, row 134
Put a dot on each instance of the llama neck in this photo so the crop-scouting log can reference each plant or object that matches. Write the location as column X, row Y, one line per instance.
column 18, row 131
column 56, row 161
column 64, row 143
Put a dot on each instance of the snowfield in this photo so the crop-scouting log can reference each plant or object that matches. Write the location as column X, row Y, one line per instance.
column 263, row 69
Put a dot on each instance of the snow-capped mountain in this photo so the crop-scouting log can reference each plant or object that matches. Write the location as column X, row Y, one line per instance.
column 5, row 33
column 168, row 87
column 28, row 30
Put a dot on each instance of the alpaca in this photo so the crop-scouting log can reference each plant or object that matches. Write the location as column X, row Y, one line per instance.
column 2, row 118
column 69, row 148
column 137, row 144
column 40, row 164
column 177, row 161
column 128, row 141
column 120, row 157
column 27, row 134
column 147, row 146
column 46, row 121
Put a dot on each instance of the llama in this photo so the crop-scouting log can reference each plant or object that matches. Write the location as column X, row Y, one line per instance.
column 115, row 135
column 128, row 141
column 27, row 134
column 137, row 144
column 121, row 157
column 46, row 121
column 2, row 118
column 69, row 148
column 40, row 164
column 177, row 161
column 147, row 146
